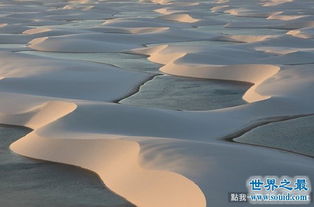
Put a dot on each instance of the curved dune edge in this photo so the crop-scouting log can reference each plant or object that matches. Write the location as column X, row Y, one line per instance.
column 279, row 16
column 277, row 50
column 144, row 30
column 119, row 170
column 180, row 17
column 164, row 11
column 253, row 73
column 305, row 33
column 162, row 2
column 275, row 2
column 240, row 12
column 36, row 31
column 3, row 25
column 297, row 33
column 245, row 38
column 38, row 40
column 39, row 115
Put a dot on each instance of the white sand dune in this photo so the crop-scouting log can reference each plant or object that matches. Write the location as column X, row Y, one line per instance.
column 165, row 11
column 180, row 17
column 244, row 38
column 219, row 8
column 162, row 2
column 248, row 13
column 23, row 74
column 275, row 2
column 279, row 16
column 255, row 74
column 282, row 50
column 154, row 157
column 111, row 42
column 307, row 33
column 119, row 169
column 73, row 44
column 36, row 30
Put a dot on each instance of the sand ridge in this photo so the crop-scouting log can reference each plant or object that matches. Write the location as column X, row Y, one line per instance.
column 156, row 157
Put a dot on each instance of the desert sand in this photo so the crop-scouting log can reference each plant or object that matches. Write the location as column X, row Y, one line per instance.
column 156, row 157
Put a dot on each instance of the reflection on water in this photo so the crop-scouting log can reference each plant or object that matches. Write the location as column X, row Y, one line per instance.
column 30, row 183
column 121, row 60
column 177, row 93
column 295, row 135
